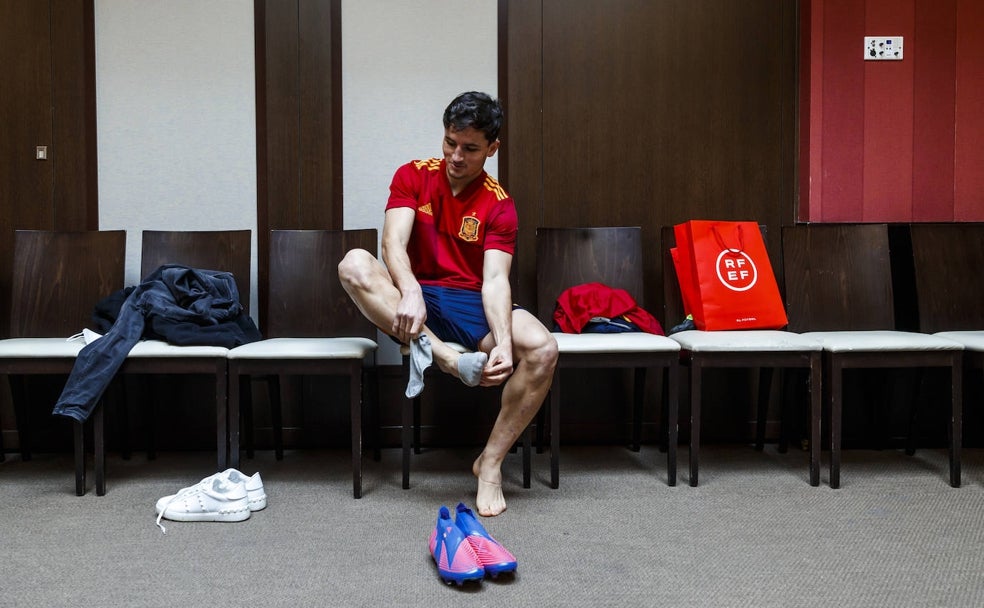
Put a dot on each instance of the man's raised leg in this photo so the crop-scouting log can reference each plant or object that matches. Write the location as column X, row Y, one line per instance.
column 371, row 287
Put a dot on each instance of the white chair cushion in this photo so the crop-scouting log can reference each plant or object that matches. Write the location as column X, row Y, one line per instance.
column 971, row 340
column 629, row 342
column 159, row 348
column 880, row 340
column 305, row 348
column 41, row 348
column 747, row 340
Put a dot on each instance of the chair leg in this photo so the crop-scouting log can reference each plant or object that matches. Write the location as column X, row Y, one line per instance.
column 527, row 459
column 405, row 439
column 764, row 390
column 221, row 416
column 695, row 398
column 371, row 393
column 956, row 417
column 99, row 447
column 18, row 392
column 555, row 431
column 836, row 406
column 814, row 390
column 416, row 424
column 79, row 432
column 664, row 400
column 280, row 392
column 236, row 384
column 355, row 401
column 672, row 410
column 638, row 397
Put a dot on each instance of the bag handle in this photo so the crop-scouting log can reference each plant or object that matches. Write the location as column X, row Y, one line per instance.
column 720, row 239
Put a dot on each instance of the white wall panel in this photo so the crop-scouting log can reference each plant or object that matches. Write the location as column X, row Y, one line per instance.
column 176, row 121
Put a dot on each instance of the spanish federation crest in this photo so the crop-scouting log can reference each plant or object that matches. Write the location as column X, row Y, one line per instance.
column 469, row 229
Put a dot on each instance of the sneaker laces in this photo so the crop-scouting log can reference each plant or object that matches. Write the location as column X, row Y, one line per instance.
column 182, row 493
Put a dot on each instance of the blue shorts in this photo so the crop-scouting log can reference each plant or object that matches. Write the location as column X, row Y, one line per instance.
column 455, row 315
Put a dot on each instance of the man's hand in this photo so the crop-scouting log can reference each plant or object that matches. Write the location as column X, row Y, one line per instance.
column 499, row 366
column 411, row 314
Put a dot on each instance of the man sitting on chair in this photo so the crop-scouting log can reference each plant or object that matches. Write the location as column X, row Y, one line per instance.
column 449, row 235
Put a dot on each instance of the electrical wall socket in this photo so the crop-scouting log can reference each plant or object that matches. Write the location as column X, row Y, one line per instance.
column 883, row 48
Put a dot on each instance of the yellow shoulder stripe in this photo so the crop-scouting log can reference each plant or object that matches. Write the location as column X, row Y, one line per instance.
column 493, row 186
column 431, row 164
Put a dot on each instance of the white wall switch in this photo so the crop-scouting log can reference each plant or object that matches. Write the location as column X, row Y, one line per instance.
column 883, row 48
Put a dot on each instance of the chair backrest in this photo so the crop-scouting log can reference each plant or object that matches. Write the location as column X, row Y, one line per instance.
column 227, row 250
column 58, row 277
column 566, row 257
column 306, row 299
column 948, row 260
column 838, row 277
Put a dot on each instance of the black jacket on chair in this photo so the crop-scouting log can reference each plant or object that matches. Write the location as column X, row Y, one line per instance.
column 181, row 305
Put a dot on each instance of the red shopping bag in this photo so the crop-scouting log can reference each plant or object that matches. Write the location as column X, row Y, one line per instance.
column 687, row 285
column 725, row 276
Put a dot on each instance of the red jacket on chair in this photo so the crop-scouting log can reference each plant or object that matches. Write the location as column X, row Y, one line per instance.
column 577, row 305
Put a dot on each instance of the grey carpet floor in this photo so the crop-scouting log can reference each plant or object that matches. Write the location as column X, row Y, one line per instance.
column 754, row 533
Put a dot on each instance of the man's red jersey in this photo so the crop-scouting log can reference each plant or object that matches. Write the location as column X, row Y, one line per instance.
column 451, row 233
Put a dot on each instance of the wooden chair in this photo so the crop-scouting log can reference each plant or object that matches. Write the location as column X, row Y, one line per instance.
column 764, row 349
column 227, row 250
column 566, row 257
column 58, row 277
column 947, row 262
column 839, row 291
column 313, row 328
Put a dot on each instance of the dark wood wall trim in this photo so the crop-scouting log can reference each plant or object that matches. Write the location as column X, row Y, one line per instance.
column 73, row 120
column 521, row 163
column 262, row 202
column 298, row 120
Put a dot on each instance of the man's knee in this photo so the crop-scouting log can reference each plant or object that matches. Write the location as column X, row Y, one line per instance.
column 354, row 269
column 543, row 355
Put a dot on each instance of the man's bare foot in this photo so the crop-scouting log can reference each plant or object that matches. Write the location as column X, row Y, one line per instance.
column 489, row 502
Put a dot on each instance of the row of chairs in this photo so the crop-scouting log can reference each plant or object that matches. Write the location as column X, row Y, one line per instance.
column 840, row 294
column 59, row 276
column 838, row 278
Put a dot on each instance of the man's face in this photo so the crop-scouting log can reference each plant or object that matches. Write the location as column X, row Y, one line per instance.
column 465, row 152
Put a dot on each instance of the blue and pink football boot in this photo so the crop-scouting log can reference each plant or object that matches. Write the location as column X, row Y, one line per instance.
column 495, row 558
column 464, row 550
column 456, row 559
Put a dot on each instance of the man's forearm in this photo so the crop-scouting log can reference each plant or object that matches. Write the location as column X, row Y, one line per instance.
column 398, row 264
column 497, row 303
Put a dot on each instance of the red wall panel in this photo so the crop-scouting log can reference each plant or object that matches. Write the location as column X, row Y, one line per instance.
column 933, row 58
column 892, row 141
column 887, row 165
column 842, row 148
column 969, row 140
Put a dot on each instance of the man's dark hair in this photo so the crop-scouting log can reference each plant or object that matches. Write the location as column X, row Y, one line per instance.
column 477, row 110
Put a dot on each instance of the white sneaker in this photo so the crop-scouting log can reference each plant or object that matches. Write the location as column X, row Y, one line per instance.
column 213, row 499
column 254, row 488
